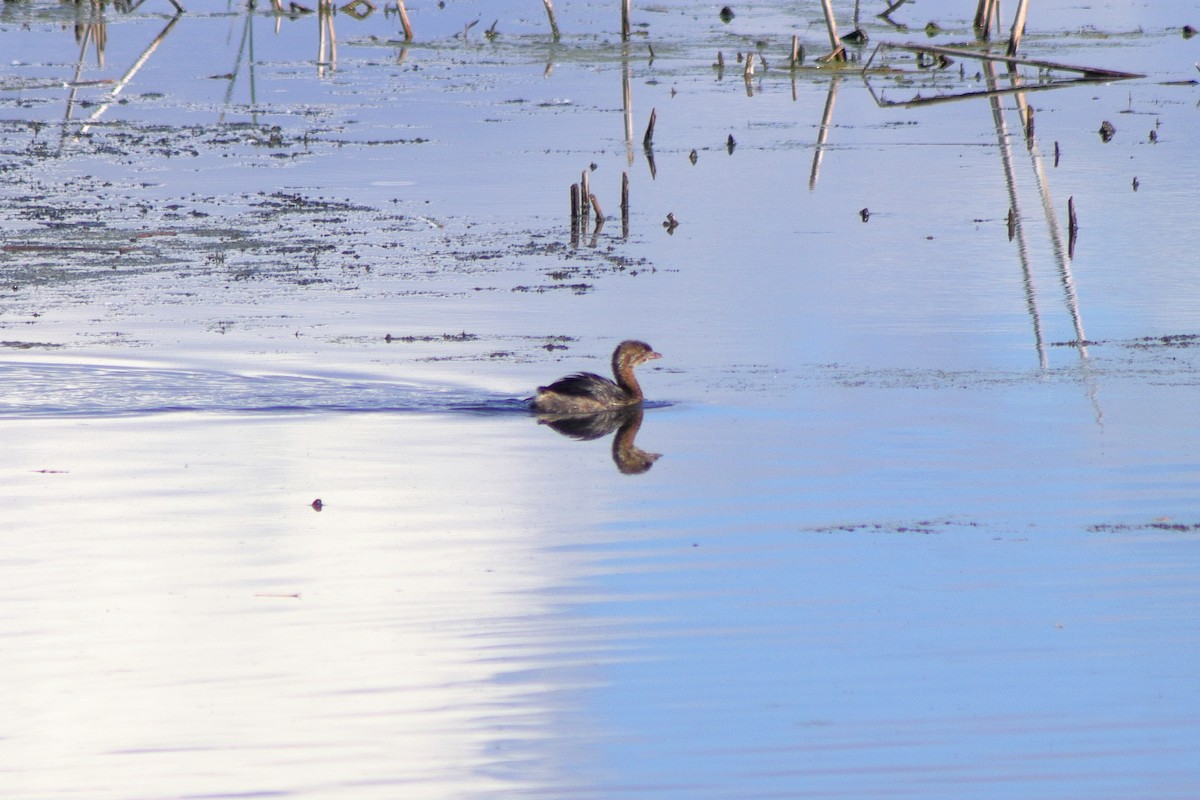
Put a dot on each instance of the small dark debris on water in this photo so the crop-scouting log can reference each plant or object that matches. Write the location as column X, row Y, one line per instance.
column 317, row 505
column 1056, row 154
column 1012, row 224
column 1107, row 131
column 1136, row 183
column 445, row 337
column 1173, row 340
column 693, row 157
column 856, row 36
column 933, row 60
column 1170, row 340
column 670, row 223
column 1188, row 31
column 925, row 526
column 932, row 29
column 574, row 288
column 865, row 214
column 730, row 144
column 1153, row 136
column 1156, row 525
column 726, row 15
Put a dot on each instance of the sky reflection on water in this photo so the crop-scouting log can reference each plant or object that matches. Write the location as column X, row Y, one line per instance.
column 905, row 538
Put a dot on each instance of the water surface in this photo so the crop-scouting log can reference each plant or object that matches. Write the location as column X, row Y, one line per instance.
column 924, row 520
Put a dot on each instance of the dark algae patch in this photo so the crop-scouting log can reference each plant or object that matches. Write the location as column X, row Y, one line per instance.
column 1157, row 525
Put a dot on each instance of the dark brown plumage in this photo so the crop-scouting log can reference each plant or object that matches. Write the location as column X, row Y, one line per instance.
column 588, row 393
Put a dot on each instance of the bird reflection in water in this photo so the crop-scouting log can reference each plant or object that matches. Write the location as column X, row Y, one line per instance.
column 629, row 458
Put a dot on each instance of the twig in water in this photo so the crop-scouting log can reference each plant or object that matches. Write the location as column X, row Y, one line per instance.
column 839, row 52
column 748, row 72
column 891, row 7
column 648, row 139
column 553, row 22
column 625, row 20
column 625, row 205
column 408, row 31
column 574, row 203
column 1072, row 227
column 596, row 207
column 585, row 191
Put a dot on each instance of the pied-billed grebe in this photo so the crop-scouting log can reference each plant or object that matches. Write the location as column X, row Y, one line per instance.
column 587, row 393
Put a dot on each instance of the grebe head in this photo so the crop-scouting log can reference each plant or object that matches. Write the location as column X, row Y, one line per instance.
column 633, row 352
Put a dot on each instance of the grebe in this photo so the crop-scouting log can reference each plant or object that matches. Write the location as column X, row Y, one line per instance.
column 587, row 393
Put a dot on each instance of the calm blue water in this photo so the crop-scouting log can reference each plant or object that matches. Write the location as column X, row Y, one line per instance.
column 905, row 537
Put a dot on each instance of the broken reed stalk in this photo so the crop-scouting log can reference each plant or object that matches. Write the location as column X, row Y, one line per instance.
column 985, row 14
column 625, row 20
column 408, row 31
column 648, row 139
column 327, row 39
column 1018, row 28
column 596, row 207
column 749, row 71
column 574, row 203
column 1072, row 227
column 835, row 42
column 1086, row 73
column 795, row 57
column 584, row 193
column 322, row 13
column 553, row 23
column 625, row 204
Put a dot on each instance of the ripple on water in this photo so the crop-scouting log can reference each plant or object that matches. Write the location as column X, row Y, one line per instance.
column 35, row 390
